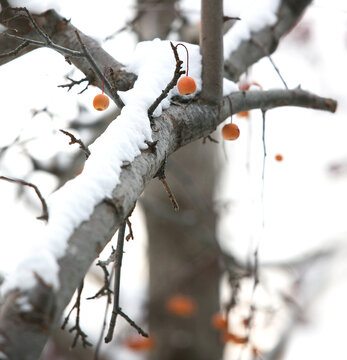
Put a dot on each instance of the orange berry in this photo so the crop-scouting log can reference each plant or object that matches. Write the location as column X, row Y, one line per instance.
column 230, row 131
column 181, row 305
column 140, row 343
column 219, row 321
column 244, row 85
column 243, row 114
column 236, row 339
column 279, row 157
column 101, row 102
column 186, row 85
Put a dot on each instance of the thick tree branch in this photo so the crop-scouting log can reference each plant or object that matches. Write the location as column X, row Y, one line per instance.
column 175, row 128
column 249, row 52
column 62, row 33
column 211, row 48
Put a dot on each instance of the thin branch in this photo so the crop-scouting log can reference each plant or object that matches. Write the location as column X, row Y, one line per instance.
column 131, row 234
column 74, row 140
column 105, row 290
column 98, row 72
column 266, row 53
column 117, row 272
column 75, row 82
column 45, row 110
column 21, row 46
column 178, row 72
column 38, row 29
column 77, row 327
column 132, row 323
column 44, row 215
column 51, row 45
column 162, row 177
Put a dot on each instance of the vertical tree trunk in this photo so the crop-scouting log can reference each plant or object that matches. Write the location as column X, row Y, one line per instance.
column 183, row 256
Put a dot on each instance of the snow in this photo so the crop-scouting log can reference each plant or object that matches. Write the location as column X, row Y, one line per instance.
column 254, row 17
column 68, row 207
column 36, row 6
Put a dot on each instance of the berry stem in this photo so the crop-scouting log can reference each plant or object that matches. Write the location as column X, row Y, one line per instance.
column 187, row 55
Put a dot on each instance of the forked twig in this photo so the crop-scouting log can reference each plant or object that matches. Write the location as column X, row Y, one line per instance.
column 74, row 140
column 178, row 72
column 77, row 327
column 117, row 272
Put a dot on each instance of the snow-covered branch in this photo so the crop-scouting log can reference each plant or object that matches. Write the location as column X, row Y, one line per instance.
column 240, row 49
column 29, row 316
column 62, row 33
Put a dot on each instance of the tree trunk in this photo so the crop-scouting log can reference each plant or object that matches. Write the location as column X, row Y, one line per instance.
column 183, row 256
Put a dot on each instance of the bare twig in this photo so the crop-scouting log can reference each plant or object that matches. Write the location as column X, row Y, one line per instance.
column 131, row 234
column 38, row 29
column 35, row 112
column 16, row 50
column 261, row 46
column 74, row 140
column 77, row 327
column 132, row 323
column 98, row 72
column 61, row 49
column 162, row 177
column 178, row 72
column 44, row 215
column 105, row 290
column 117, row 272
column 75, row 82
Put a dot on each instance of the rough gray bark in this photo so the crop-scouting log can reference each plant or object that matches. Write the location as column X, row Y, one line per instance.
column 211, row 48
column 176, row 127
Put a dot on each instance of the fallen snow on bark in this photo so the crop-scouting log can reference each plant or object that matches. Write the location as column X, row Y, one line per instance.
column 254, row 17
column 124, row 139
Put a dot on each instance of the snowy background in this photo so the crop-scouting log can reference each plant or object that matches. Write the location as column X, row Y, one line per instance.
column 304, row 201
